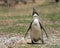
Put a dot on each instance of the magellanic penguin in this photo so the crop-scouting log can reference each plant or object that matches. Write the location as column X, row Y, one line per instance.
column 36, row 28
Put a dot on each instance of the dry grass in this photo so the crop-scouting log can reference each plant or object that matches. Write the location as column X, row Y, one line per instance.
column 15, row 21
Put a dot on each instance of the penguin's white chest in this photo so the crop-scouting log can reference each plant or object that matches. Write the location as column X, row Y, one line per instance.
column 35, row 24
column 35, row 29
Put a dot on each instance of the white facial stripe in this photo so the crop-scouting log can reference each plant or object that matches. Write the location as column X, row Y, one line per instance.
column 35, row 15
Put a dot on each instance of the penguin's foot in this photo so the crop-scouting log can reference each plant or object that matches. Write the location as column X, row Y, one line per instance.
column 42, row 41
column 32, row 42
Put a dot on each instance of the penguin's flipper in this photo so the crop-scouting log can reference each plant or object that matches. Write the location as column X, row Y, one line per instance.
column 43, row 29
column 28, row 28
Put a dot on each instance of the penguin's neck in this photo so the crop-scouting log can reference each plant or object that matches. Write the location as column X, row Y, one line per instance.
column 36, row 17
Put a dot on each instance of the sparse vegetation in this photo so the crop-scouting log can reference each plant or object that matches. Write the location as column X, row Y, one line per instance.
column 17, row 19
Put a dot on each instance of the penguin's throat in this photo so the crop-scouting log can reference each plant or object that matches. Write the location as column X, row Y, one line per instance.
column 36, row 21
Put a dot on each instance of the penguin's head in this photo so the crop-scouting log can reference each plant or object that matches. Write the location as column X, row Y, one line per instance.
column 35, row 14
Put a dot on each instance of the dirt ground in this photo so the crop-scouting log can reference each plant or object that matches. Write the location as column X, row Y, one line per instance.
column 17, row 40
column 7, row 41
